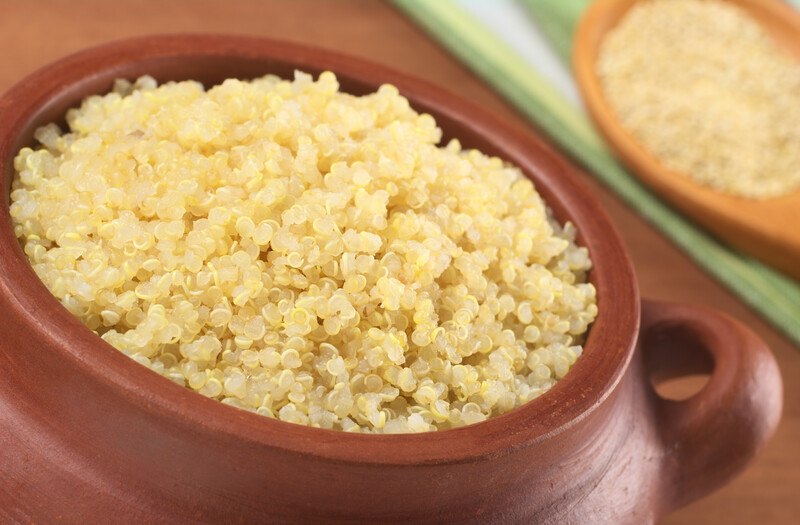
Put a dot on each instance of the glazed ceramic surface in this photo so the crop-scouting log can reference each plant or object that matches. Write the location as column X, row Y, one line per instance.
column 88, row 435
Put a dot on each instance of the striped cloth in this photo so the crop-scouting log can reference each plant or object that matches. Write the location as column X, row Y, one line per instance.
column 491, row 38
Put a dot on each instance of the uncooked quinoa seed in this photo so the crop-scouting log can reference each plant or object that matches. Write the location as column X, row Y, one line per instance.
column 704, row 87
column 305, row 254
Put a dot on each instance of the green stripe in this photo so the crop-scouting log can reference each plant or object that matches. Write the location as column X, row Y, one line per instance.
column 775, row 296
column 450, row 24
column 557, row 19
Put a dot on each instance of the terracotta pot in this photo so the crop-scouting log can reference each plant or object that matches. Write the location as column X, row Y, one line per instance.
column 88, row 435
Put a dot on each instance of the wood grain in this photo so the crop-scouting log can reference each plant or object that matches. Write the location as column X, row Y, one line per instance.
column 34, row 33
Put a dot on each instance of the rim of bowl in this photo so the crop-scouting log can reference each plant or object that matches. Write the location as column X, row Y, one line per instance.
column 40, row 97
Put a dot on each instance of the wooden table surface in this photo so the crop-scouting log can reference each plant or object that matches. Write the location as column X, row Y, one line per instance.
column 35, row 33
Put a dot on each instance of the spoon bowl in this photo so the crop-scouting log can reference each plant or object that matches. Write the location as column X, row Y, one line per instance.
column 768, row 229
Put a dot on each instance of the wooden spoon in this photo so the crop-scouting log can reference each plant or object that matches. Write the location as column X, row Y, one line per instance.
column 768, row 229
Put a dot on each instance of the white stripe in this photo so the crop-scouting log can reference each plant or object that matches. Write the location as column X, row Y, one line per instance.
column 510, row 22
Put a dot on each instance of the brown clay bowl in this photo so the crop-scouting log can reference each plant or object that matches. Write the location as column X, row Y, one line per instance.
column 88, row 435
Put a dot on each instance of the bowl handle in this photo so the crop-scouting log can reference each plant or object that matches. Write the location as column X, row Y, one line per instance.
column 710, row 437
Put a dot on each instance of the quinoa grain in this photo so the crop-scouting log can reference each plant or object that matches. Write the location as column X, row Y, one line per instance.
column 304, row 254
column 703, row 87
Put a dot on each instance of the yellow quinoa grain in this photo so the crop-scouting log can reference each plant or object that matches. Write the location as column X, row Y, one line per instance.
column 304, row 254
column 703, row 87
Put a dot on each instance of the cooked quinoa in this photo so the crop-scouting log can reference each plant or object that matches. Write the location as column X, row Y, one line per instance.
column 703, row 87
column 305, row 254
